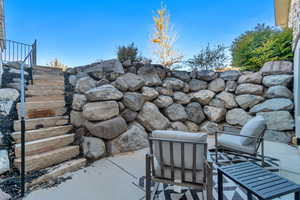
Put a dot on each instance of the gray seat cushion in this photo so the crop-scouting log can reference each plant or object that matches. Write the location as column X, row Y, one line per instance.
column 234, row 143
column 254, row 128
column 188, row 148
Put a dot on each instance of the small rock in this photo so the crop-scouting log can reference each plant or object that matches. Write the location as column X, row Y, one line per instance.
column 103, row 81
column 277, row 67
column 173, row 83
column 103, row 93
column 78, row 101
column 214, row 114
column 163, row 101
column 133, row 100
column 96, row 74
column 248, row 100
column 121, row 84
column 274, row 80
column 230, row 86
column 237, row 116
column 149, row 93
column 121, row 106
column 217, row 85
column 179, row 126
column 84, row 84
column 4, row 161
column 231, row 75
column 9, row 94
column 4, row 196
column 76, row 118
column 209, row 127
column 151, row 75
column 277, row 136
column 228, row 99
column 203, row 96
column 186, row 88
column 176, row 112
column 249, row 88
column 181, row 98
column 72, row 80
column 217, row 103
column 279, row 91
column 129, row 115
column 192, row 127
column 273, row 105
column 194, row 112
column 98, row 111
column 278, row 120
column 93, row 148
column 164, row 91
column 251, row 78
column 206, row 75
column 196, row 85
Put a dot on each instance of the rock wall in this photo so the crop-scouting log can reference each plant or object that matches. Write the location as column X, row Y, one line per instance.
column 118, row 104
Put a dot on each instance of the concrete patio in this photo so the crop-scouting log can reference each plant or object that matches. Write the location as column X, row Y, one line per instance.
column 115, row 178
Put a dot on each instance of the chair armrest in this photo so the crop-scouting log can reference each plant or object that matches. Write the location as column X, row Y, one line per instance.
column 236, row 127
column 230, row 133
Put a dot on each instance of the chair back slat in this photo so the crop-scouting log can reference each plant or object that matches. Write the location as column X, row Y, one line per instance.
column 194, row 163
column 161, row 159
column 182, row 162
column 152, row 157
column 172, row 160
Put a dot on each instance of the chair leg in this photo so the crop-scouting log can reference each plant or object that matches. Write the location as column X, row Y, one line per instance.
column 148, row 178
column 209, row 182
column 263, row 153
column 216, row 147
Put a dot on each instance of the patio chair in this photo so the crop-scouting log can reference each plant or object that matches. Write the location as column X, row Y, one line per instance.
column 243, row 141
column 178, row 158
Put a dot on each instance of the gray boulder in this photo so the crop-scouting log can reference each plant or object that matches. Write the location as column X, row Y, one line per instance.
column 4, row 161
column 78, row 101
column 133, row 81
column 164, row 91
column 214, row 114
column 150, row 75
column 181, row 98
column 209, row 127
column 93, row 148
column 203, row 96
column 279, row 91
column 217, row 85
column 76, row 118
column 251, row 78
column 73, row 80
column 149, row 93
column 151, row 118
column 191, row 126
column 274, row 80
column 129, row 115
column 228, row 99
column 8, row 94
column 121, row 106
column 206, row 75
column 6, row 108
column 179, row 126
column 277, row 67
column 133, row 139
column 84, row 84
column 278, row 120
column 249, row 88
column 109, row 129
column 277, row 136
column 194, row 112
column 173, row 83
column 182, row 75
column 231, row 75
column 163, row 101
column 133, row 100
column 120, row 84
column 230, row 86
column 196, row 85
column 237, row 116
column 273, row 105
column 104, row 93
column 217, row 103
column 98, row 111
column 248, row 100
column 176, row 112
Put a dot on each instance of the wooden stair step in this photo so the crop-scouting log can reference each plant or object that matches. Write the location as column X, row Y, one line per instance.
column 36, row 123
column 60, row 170
column 50, row 158
column 46, row 87
column 45, row 98
column 42, row 133
column 43, row 109
column 44, row 145
column 48, row 77
column 41, row 92
column 48, row 82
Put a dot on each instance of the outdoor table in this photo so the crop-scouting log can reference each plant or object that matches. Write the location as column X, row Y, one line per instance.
column 257, row 181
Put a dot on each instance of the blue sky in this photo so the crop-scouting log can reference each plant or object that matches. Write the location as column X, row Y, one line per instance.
column 79, row 32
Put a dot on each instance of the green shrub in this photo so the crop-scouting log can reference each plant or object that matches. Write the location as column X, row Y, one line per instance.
column 253, row 48
column 129, row 52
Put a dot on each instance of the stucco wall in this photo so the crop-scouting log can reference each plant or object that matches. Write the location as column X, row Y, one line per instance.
column 294, row 19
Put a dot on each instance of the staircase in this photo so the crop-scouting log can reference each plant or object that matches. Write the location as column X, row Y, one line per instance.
column 49, row 141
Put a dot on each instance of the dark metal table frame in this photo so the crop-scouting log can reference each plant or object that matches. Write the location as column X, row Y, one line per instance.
column 257, row 181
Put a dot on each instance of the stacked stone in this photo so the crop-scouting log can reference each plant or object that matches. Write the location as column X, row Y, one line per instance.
column 120, row 105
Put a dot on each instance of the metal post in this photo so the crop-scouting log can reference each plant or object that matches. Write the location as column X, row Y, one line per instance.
column 22, row 115
column 220, row 185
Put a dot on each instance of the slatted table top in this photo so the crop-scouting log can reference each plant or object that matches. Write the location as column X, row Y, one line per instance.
column 261, row 182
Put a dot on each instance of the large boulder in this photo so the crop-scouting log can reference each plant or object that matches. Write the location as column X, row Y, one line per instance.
column 107, row 66
column 196, row 85
column 76, row 118
column 206, row 75
column 214, row 114
column 179, row 126
column 163, row 101
column 129, row 115
column 150, row 75
column 278, row 120
column 84, row 84
column 109, row 129
column 277, row 136
column 217, row 85
column 203, row 96
column 277, row 67
column 191, row 126
column 228, row 99
column 237, row 116
column 164, row 91
column 230, row 86
column 194, row 112
column 104, row 93
column 133, row 100
column 134, row 82
column 98, row 111
column 149, row 93
column 78, row 101
column 210, row 127
column 231, row 75
column 93, row 148
column 173, row 83
column 8, row 94
column 176, row 112
column 249, row 88
column 4, row 161
column 151, row 118
column 133, row 139
column 274, row 80
column 121, row 84
column 182, row 75
column 251, row 78
column 246, row 101
column 181, row 98
column 215, row 102
column 279, row 91
column 273, row 105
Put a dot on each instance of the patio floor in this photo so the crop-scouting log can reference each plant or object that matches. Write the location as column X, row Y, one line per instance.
column 115, row 178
